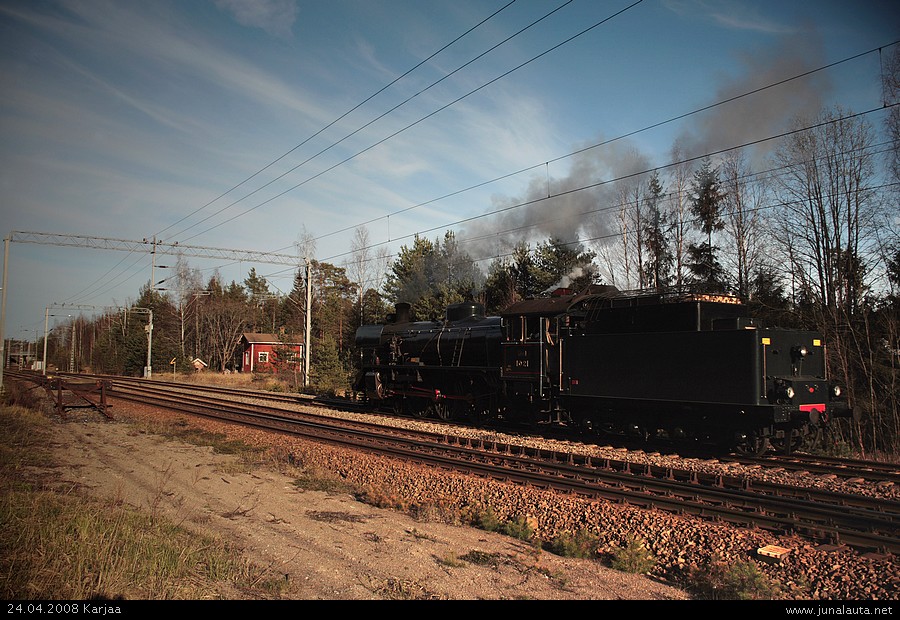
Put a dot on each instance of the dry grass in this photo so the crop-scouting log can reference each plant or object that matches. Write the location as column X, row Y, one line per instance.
column 210, row 377
column 58, row 544
column 241, row 380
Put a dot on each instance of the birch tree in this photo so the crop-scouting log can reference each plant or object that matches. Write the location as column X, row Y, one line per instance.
column 742, row 208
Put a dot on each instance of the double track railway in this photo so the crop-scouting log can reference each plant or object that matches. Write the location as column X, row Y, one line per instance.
column 822, row 516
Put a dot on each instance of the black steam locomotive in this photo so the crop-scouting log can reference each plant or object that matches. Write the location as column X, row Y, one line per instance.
column 678, row 366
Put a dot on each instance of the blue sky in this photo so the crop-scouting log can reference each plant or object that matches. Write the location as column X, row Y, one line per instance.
column 128, row 119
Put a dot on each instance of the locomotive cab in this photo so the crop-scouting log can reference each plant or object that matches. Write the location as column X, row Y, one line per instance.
column 525, row 355
column 531, row 364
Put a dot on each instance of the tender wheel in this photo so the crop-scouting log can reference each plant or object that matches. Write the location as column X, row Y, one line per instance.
column 753, row 445
column 479, row 414
column 786, row 445
column 814, row 440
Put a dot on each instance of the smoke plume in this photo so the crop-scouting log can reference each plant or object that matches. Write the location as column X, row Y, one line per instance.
column 584, row 202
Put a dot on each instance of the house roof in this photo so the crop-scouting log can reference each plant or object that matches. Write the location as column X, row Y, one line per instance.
column 252, row 338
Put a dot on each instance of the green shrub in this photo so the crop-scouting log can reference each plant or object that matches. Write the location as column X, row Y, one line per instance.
column 582, row 544
column 739, row 581
column 634, row 557
column 519, row 528
column 488, row 521
column 482, row 558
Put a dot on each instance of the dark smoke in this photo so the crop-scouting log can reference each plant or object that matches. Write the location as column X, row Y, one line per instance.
column 569, row 213
column 610, row 169
column 766, row 113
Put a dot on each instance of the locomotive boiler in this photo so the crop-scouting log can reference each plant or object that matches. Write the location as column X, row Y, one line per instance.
column 447, row 369
column 677, row 366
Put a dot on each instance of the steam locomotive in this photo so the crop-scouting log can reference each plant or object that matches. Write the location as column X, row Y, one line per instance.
column 679, row 366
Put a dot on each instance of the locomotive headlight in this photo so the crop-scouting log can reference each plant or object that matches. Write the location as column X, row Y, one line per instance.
column 789, row 392
column 799, row 352
column 836, row 391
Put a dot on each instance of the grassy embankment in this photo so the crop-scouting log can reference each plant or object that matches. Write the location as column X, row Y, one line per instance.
column 58, row 543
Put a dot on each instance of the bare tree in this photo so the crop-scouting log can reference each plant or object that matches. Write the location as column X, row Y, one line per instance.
column 829, row 203
column 225, row 317
column 679, row 213
column 624, row 259
column 742, row 206
column 184, row 284
column 634, row 212
column 830, row 213
column 360, row 265
column 305, row 245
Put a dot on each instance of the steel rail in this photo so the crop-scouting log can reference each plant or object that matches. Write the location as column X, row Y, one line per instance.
column 883, row 511
column 845, row 468
column 858, row 527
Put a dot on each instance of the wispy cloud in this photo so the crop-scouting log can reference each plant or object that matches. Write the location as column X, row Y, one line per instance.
column 153, row 45
column 732, row 14
column 276, row 17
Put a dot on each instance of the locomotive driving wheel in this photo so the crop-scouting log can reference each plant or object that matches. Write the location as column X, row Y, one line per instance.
column 442, row 410
column 415, row 407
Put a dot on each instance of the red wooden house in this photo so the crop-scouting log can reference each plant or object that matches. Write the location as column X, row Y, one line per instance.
column 265, row 352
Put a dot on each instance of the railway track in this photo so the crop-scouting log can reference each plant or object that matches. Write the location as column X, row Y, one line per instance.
column 847, row 468
column 866, row 523
column 820, row 465
column 872, row 471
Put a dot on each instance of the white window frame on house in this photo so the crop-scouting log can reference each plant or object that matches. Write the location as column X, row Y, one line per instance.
column 263, row 357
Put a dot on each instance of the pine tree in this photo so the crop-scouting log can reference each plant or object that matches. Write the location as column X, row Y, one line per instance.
column 705, row 206
column 659, row 262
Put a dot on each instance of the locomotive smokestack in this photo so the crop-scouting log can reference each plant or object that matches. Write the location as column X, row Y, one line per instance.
column 402, row 312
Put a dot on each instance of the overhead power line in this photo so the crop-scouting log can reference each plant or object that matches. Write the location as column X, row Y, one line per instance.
column 609, row 141
column 335, row 121
column 395, row 133
column 148, row 246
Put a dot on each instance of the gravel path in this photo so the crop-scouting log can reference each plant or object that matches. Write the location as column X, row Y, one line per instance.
column 320, row 544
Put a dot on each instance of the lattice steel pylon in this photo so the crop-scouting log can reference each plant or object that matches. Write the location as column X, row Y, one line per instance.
column 149, row 246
